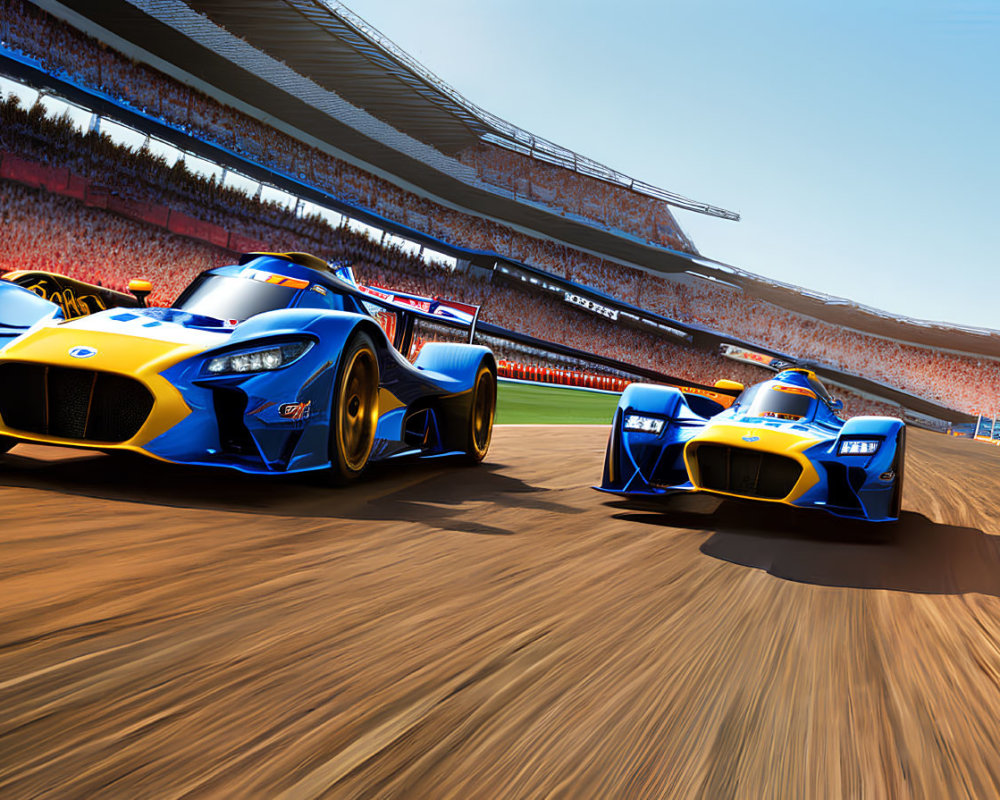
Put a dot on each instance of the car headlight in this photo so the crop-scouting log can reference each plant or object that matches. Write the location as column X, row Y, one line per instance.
column 636, row 422
column 258, row 360
column 857, row 447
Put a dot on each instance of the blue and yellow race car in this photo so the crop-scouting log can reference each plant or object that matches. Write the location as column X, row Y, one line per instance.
column 780, row 441
column 280, row 363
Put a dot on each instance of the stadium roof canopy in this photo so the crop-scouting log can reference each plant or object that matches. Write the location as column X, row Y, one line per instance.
column 324, row 41
column 337, row 51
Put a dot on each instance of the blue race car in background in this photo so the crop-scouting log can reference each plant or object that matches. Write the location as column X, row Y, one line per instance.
column 780, row 442
column 278, row 364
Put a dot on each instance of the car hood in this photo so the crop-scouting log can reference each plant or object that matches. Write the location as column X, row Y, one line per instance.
column 126, row 341
column 756, row 434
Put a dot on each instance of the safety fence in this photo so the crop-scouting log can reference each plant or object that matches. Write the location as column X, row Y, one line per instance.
column 562, row 377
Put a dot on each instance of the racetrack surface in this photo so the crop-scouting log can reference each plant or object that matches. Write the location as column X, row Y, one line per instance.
column 495, row 632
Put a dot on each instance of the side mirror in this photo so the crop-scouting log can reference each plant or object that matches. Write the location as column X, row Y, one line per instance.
column 734, row 386
column 836, row 405
column 141, row 289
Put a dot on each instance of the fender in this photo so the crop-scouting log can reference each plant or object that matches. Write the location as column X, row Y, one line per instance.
column 246, row 397
column 864, row 485
column 295, row 321
column 636, row 460
column 887, row 427
column 453, row 364
column 657, row 400
column 453, row 367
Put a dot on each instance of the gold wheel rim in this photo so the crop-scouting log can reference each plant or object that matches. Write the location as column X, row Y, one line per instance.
column 358, row 409
column 482, row 412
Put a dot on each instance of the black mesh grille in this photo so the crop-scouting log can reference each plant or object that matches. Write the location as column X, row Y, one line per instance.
column 69, row 401
column 72, row 403
column 749, row 473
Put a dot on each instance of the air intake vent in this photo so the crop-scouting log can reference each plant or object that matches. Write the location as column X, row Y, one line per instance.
column 748, row 473
column 72, row 403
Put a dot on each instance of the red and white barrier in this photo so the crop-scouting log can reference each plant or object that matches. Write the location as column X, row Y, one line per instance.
column 560, row 377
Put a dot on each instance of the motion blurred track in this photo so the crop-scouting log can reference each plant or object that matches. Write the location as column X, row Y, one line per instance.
column 494, row 632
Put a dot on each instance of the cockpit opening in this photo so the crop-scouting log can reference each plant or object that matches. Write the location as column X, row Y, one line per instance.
column 783, row 402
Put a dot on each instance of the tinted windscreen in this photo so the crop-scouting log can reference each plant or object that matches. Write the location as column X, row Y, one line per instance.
column 781, row 404
column 233, row 298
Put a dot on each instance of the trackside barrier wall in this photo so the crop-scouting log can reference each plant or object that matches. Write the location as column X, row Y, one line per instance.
column 561, row 377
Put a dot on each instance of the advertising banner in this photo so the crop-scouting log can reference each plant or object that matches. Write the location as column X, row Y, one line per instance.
column 591, row 305
column 752, row 357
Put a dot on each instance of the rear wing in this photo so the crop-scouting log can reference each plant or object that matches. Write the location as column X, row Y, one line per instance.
column 439, row 309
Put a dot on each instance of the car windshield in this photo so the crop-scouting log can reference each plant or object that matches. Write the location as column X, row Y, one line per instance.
column 783, row 402
column 222, row 297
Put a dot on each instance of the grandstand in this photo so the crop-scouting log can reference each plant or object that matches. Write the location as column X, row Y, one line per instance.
column 344, row 87
column 365, row 131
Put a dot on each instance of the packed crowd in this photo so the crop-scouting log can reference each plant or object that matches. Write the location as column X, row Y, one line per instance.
column 95, row 245
column 593, row 199
column 964, row 382
column 43, row 231
column 98, row 246
column 146, row 177
column 137, row 174
column 30, row 133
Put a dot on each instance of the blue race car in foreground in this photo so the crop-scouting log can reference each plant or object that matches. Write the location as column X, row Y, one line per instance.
column 277, row 364
column 779, row 442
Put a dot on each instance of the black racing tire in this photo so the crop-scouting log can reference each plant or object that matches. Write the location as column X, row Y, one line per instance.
column 6, row 442
column 898, row 467
column 354, row 410
column 482, row 411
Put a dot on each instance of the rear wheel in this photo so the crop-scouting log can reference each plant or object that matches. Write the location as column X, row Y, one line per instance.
column 354, row 411
column 898, row 467
column 482, row 411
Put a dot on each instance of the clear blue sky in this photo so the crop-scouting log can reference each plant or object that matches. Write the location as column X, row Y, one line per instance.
column 859, row 140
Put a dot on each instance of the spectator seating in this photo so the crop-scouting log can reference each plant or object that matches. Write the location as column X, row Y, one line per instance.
column 964, row 382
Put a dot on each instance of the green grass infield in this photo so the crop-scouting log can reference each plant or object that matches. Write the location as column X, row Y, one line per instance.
column 540, row 404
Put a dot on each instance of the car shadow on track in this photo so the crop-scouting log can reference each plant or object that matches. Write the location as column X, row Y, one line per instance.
column 433, row 492
column 914, row 554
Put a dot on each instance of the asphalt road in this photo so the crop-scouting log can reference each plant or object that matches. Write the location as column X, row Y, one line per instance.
column 502, row 631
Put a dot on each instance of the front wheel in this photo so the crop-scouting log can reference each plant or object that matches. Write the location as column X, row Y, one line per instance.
column 482, row 411
column 354, row 410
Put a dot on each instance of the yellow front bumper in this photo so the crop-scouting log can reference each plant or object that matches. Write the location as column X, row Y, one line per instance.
column 134, row 357
column 759, row 439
